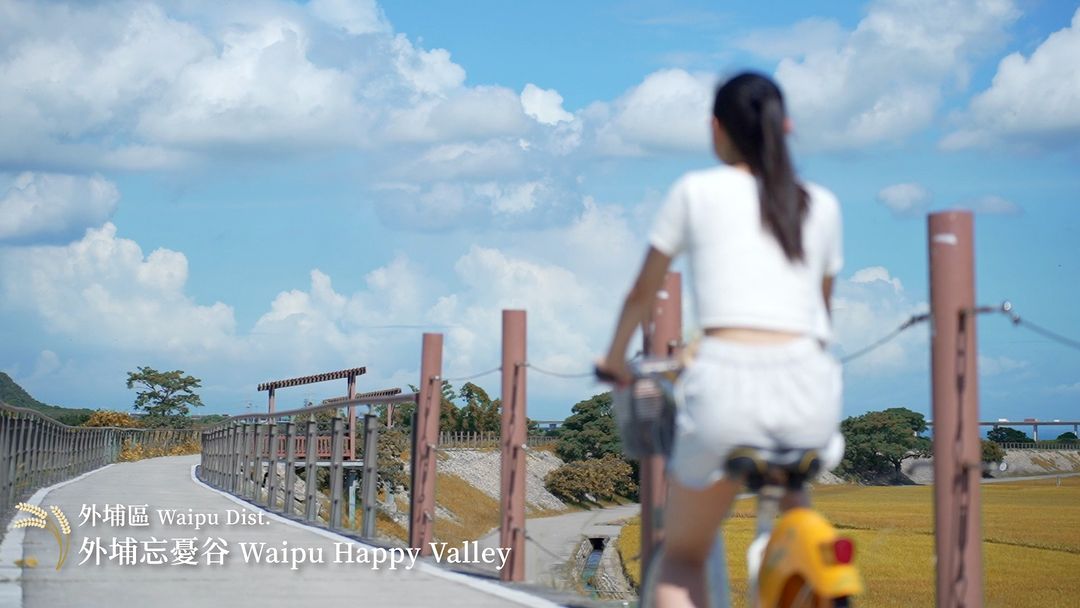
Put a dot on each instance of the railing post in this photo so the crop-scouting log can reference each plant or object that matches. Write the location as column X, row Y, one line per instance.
column 272, row 486
column 257, row 469
column 367, row 488
column 426, row 433
column 337, row 453
column 208, row 467
column 249, row 451
column 236, row 444
column 47, row 456
column 512, row 444
column 957, row 457
column 311, row 473
column 350, row 445
column 662, row 337
column 288, row 505
column 5, row 456
column 13, row 464
column 22, row 452
column 36, row 444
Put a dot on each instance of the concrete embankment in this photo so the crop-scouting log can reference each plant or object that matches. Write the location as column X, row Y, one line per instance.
column 1018, row 463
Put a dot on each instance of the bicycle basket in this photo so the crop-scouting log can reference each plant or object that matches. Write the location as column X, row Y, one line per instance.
column 645, row 411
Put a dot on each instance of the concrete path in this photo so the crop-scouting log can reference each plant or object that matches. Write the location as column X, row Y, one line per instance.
column 551, row 541
column 165, row 483
column 1028, row 477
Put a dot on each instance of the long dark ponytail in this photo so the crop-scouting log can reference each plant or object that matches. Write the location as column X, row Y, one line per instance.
column 750, row 108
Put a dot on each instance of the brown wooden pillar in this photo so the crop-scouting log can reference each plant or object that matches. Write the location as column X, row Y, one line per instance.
column 957, row 451
column 350, row 444
column 662, row 337
column 426, row 434
column 512, row 443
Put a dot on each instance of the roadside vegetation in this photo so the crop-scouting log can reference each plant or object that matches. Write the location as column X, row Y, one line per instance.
column 1031, row 541
column 595, row 471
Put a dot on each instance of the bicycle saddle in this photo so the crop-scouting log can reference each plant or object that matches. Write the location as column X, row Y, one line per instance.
column 790, row 467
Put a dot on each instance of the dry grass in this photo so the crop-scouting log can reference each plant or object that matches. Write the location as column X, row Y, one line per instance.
column 1031, row 546
column 532, row 512
column 385, row 527
column 629, row 546
column 131, row 451
column 1045, row 463
column 476, row 513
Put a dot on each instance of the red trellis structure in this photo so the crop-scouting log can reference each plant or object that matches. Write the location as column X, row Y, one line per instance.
column 346, row 374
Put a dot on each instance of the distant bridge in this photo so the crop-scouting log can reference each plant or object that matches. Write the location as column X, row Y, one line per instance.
column 1032, row 422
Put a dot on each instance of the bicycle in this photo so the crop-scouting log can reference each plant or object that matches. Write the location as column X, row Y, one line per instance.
column 797, row 558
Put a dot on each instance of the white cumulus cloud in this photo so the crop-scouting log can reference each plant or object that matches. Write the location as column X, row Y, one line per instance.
column 1032, row 100
column 905, row 199
column 356, row 17
column 866, row 307
column 104, row 289
column 544, row 105
column 669, row 111
column 883, row 81
column 50, row 207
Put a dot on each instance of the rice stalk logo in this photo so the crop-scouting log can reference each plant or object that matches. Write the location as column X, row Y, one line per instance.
column 39, row 518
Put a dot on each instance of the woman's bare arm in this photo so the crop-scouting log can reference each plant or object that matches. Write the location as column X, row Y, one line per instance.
column 636, row 310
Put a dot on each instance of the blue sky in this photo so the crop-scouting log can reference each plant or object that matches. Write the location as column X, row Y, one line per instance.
column 273, row 189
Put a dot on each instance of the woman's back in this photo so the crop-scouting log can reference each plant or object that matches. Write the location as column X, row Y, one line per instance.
column 741, row 276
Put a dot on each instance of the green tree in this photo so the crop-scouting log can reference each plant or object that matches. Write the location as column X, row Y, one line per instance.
column 1004, row 434
column 1068, row 436
column 590, row 430
column 479, row 414
column 165, row 397
column 878, row 442
column 403, row 412
column 592, row 479
column 992, row 451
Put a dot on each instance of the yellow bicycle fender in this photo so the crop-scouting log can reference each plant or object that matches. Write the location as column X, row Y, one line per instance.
column 795, row 550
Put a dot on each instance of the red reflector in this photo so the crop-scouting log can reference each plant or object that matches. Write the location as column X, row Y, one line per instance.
column 843, row 550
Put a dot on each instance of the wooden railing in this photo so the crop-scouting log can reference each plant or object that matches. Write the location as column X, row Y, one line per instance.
column 480, row 440
column 1041, row 445
column 241, row 456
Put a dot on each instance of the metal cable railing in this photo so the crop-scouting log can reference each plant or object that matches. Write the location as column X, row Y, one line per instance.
column 37, row 451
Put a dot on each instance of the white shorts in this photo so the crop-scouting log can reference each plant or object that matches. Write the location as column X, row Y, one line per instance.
column 772, row 396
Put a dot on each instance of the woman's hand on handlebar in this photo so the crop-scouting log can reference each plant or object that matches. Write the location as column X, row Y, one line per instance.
column 614, row 371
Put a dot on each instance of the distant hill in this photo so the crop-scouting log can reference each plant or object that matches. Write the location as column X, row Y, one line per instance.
column 14, row 395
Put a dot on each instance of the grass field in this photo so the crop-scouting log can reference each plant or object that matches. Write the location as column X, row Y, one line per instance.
column 1031, row 542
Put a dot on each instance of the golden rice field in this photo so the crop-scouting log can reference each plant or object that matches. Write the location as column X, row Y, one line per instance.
column 1031, row 542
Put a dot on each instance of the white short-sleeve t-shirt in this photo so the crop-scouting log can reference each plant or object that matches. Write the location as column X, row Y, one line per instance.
column 740, row 274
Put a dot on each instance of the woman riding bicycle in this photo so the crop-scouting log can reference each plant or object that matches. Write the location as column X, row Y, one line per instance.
column 763, row 249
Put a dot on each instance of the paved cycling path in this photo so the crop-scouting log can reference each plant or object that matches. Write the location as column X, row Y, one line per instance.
column 167, row 483
column 552, row 541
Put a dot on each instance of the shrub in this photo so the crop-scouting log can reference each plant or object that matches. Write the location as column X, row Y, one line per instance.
column 111, row 418
column 992, row 451
column 593, row 479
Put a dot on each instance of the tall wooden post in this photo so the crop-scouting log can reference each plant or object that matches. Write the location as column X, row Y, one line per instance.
column 512, row 443
column 957, row 452
column 662, row 336
column 426, row 436
column 350, row 444
column 367, row 484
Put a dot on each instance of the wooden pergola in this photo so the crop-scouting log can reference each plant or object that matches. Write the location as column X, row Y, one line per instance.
column 347, row 374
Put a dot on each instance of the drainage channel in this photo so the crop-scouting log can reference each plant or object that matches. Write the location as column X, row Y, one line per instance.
column 592, row 564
